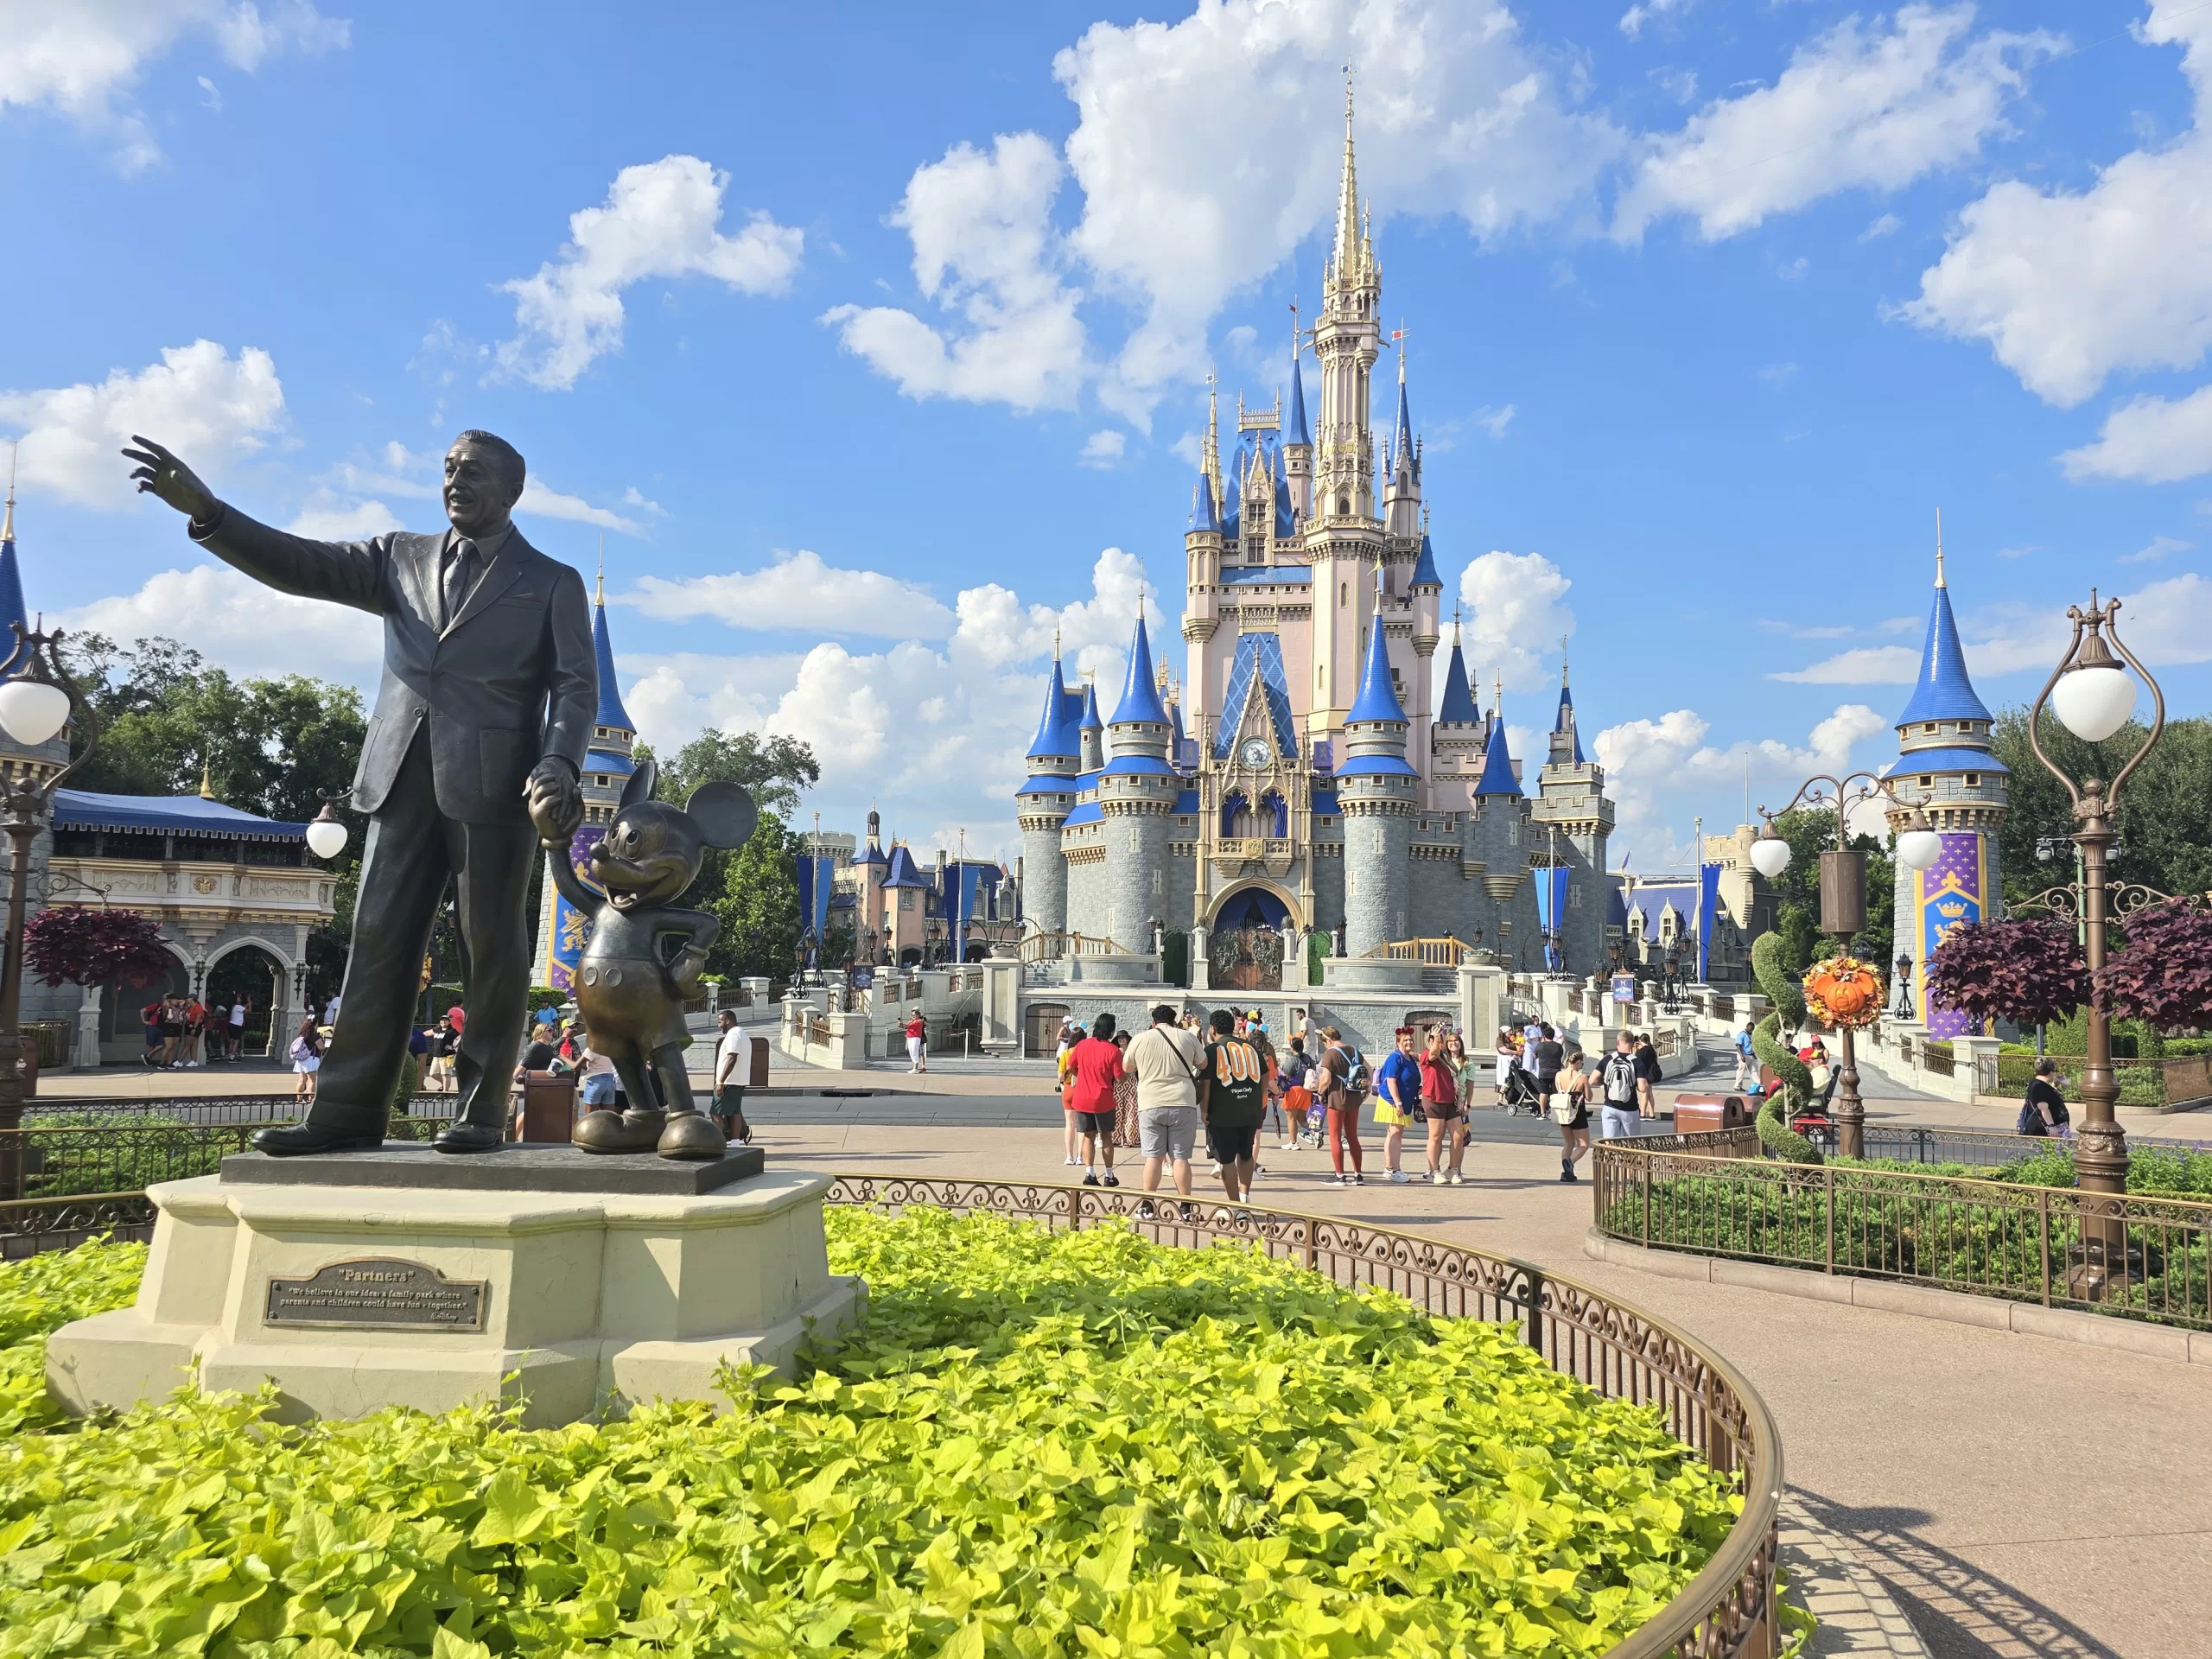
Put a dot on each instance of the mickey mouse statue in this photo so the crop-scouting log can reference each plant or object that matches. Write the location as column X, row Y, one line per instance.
column 629, row 988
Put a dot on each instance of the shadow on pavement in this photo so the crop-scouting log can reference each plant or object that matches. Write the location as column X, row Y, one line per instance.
column 1959, row 1609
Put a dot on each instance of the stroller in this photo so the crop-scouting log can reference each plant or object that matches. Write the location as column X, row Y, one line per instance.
column 1521, row 1094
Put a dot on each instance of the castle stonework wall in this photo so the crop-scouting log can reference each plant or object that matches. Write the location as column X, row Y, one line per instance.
column 1133, row 891
column 1045, row 876
column 1377, row 834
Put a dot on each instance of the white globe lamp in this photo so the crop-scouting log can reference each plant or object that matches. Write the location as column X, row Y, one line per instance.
column 1919, row 850
column 326, row 834
column 32, row 711
column 2093, row 700
column 1770, row 853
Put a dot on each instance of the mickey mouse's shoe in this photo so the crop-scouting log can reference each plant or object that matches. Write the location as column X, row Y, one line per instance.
column 690, row 1135
column 631, row 1131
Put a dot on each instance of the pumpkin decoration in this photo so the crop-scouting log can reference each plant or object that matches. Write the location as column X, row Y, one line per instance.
column 1844, row 993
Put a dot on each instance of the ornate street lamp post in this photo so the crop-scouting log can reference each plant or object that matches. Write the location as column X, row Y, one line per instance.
column 1843, row 904
column 2094, row 697
column 36, row 701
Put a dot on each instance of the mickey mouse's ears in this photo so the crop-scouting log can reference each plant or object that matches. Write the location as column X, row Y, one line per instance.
column 724, row 812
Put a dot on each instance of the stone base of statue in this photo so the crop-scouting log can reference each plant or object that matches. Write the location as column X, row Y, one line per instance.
column 400, row 1277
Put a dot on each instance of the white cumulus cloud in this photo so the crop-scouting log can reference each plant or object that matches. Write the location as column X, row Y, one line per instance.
column 81, row 57
column 2070, row 286
column 985, row 250
column 204, row 404
column 1662, row 771
column 2149, row 440
column 233, row 620
column 1868, row 105
column 660, row 220
column 542, row 503
column 1517, row 615
column 796, row 590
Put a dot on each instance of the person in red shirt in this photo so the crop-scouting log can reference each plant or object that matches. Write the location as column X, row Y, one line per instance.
column 1094, row 1067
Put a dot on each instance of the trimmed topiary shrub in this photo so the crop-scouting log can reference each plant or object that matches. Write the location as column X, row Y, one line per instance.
column 1779, row 1140
column 1038, row 1444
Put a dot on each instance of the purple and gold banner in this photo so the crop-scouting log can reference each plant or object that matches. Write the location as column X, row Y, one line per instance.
column 1949, row 896
column 564, row 941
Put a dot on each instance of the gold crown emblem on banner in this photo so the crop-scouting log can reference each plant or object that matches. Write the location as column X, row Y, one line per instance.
column 1951, row 912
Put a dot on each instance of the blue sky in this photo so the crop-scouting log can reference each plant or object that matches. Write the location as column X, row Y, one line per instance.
column 874, row 339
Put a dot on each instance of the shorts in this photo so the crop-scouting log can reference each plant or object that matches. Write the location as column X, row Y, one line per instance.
column 1168, row 1132
column 598, row 1089
column 1439, row 1112
column 1098, row 1123
column 729, row 1103
column 1233, row 1142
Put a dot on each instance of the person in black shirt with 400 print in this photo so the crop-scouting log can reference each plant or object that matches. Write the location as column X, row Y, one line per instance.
column 1233, row 1097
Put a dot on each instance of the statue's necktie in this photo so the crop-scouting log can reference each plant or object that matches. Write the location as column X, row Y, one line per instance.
column 460, row 572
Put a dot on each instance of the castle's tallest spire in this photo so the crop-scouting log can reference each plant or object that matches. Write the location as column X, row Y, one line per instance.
column 1346, row 255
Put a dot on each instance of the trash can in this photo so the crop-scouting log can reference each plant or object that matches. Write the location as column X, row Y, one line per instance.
column 548, row 1108
column 1706, row 1114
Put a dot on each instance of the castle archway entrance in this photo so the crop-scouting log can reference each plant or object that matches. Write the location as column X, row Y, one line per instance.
column 1252, row 933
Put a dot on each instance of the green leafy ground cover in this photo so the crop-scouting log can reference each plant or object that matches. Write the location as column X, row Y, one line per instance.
column 1882, row 1224
column 1073, row 1444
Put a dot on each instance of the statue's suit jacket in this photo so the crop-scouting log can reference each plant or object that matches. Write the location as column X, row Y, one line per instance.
column 509, row 681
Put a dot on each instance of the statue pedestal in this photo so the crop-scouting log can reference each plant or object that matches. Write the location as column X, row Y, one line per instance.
column 406, row 1277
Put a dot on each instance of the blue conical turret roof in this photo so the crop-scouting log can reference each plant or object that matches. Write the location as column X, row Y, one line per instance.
column 1402, row 439
column 1497, row 776
column 1089, row 720
column 611, row 711
column 1564, row 721
column 11, row 591
column 1425, row 567
column 1140, row 693
column 1379, row 693
column 1458, row 706
column 1942, row 691
column 1295, row 430
column 1205, row 518
column 1053, row 740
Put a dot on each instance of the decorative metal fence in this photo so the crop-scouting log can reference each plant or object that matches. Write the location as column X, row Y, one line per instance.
column 2058, row 1246
column 1617, row 1350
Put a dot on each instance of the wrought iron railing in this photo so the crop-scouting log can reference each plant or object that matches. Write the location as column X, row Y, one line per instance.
column 2057, row 1246
column 1617, row 1350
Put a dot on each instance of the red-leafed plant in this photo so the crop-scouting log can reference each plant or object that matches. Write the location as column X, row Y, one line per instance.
column 2028, row 971
column 2162, row 974
column 67, row 944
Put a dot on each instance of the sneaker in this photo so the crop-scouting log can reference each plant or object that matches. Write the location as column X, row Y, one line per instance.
column 1110, row 1179
column 1399, row 1177
column 1072, row 1163
column 1188, row 1211
column 1335, row 1180
column 1360, row 1180
column 1145, row 1211
column 1564, row 1173
column 1436, row 1178
column 1089, row 1178
column 1455, row 1178
column 1287, row 1146
column 1214, row 1168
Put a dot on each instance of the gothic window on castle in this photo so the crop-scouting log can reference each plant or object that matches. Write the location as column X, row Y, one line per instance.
column 1973, row 781
column 1155, row 883
column 1574, row 898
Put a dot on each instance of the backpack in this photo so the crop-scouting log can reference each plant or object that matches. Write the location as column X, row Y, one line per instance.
column 1620, row 1080
column 1360, row 1079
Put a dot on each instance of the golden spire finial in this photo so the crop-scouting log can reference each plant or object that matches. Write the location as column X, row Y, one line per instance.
column 1056, row 641
column 1455, row 627
column 1562, row 662
column 206, row 780
column 7, row 525
column 1939, row 548
column 601, row 593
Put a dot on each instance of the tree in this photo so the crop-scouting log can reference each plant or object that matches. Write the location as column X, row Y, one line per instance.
column 2027, row 970
column 776, row 770
column 2162, row 974
column 757, row 905
column 68, row 944
column 1810, row 831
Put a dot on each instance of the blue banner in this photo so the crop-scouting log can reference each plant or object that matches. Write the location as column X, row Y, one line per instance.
column 1708, row 912
column 817, row 880
column 564, row 941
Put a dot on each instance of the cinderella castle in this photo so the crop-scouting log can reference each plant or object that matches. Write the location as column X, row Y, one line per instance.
column 1309, row 794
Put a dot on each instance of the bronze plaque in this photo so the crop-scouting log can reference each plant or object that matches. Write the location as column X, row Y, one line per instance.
column 380, row 1294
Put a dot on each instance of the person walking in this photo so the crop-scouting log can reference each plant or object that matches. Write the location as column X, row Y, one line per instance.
column 1071, row 1036
column 1440, row 1099
column 1094, row 1066
column 1235, row 1089
column 733, row 1071
column 1397, row 1086
column 1648, row 1075
column 1619, row 1085
column 2042, row 1111
column 172, row 1031
column 918, row 1037
column 1546, row 1055
column 1747, row 1060
column 306, row 1060
column 1167, row 1061
column 1340, row 1101
column 1571, row 1111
